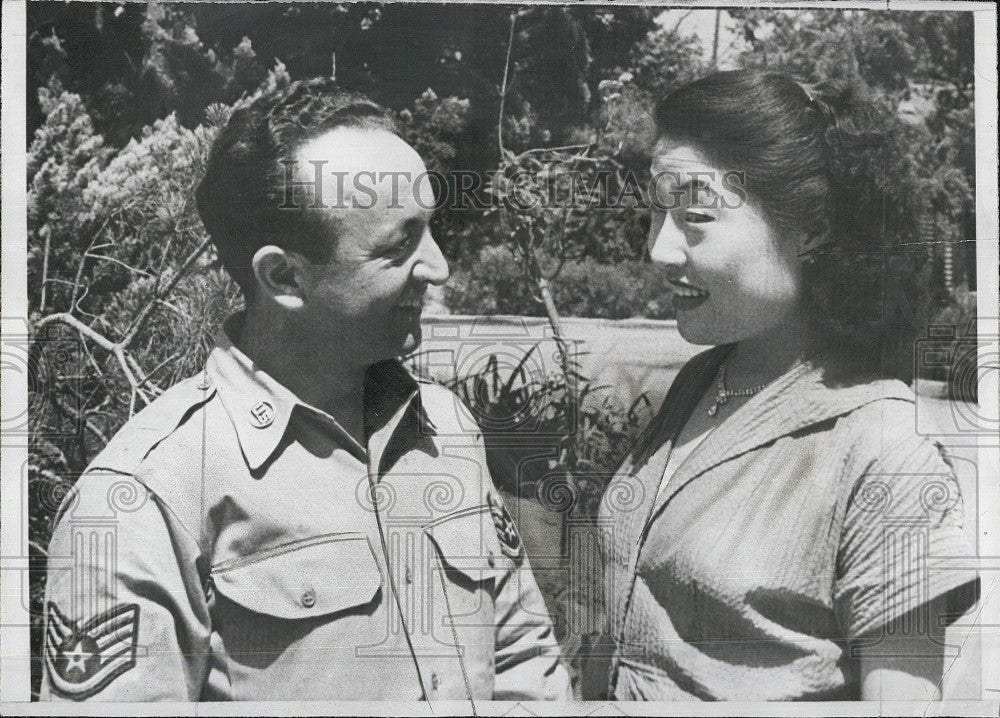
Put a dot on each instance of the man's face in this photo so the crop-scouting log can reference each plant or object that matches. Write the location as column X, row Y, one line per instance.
column 365, row 303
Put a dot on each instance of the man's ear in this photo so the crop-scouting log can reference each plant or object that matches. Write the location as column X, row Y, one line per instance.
column 278, row 275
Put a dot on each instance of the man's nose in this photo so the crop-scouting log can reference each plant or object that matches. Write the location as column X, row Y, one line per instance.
column 667, row 242
column 431, row 266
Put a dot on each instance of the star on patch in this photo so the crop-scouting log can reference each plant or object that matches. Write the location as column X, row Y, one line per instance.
column 83, row 660
column 510, row 540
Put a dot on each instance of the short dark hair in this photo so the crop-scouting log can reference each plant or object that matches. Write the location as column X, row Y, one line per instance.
column 823, row 161
column 240, row 195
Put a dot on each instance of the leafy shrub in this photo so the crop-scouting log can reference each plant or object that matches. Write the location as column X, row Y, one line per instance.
column 491, row 284
column 495, row 284
column 586, row 288
column 433, row 127
column 524, row 416
column 524, row 421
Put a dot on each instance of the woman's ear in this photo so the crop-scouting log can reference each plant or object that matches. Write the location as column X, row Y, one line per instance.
column 278, row 275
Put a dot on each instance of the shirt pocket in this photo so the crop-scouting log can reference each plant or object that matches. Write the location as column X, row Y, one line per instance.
column 465, row 567
column 463, row 546
column 303, row 579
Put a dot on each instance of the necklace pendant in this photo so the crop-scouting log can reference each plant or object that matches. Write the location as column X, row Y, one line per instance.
column 713, row 409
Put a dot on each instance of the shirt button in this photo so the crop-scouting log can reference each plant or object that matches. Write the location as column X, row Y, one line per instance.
column 309, row 598
column 435, row 681
column 491, row 559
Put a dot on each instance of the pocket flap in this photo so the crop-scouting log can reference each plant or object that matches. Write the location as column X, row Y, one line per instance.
column 467, row 543
column 303, row 579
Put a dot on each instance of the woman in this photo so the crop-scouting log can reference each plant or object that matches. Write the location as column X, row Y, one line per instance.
column 780, row 532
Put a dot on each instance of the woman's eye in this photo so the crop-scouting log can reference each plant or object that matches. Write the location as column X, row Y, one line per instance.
column 697, row 217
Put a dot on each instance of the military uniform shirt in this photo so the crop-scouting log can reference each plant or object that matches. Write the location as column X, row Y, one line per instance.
column 233, row 543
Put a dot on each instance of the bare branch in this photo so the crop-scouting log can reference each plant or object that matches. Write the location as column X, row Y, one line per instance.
column 174, row 308
column 145, row 379
column 74, row 297
column 553, row 150
column 677, row 25
column 57, row 280
column 129, row 366
column 503, row 86
column 79, row 416
column 75, row 305
column 165, row 362
column 559, row 265
column 47, row 231
column 68, row 319
column 92, row 360
column 118, row 262
column 135, row 390
column 162, row 293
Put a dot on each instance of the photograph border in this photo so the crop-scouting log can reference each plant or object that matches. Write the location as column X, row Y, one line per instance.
column 14, row 562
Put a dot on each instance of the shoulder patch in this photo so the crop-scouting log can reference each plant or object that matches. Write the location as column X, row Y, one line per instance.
column 83, row 660
column 510, row 540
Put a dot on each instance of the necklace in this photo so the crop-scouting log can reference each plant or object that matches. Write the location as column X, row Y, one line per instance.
column 723, row 394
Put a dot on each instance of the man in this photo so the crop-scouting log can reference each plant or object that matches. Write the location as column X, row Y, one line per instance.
column 304, row 519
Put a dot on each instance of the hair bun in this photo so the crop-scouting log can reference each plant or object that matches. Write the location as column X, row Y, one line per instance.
column 857, row 146
column 850, row 113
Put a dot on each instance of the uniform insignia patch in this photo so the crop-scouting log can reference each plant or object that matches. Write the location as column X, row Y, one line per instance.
column 510, row 540
column 82, row 660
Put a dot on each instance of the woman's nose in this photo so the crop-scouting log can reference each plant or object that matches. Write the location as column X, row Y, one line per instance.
column 667, row 242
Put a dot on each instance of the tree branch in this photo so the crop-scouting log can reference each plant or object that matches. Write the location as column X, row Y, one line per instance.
column 80, row 416
column 677, row 25
column 74, row 296
column 66, row 318
column 118, row 262
column 47, row 231
column 129, row 366
column 503, row 86
column 162, row 293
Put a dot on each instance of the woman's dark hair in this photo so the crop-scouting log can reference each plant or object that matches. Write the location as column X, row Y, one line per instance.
column 241, row 196
column 823, row 161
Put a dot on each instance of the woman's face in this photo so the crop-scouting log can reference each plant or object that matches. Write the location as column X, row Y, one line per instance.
column 733, row 276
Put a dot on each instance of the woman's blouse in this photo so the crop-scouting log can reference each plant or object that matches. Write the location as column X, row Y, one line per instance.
column 807, row 520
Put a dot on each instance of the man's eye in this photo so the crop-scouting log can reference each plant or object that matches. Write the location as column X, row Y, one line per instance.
column 403, row 246
column 697, row 217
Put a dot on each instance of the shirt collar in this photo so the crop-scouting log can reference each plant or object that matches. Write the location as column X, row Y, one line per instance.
column 395, row 418
column 800, row 398
column 260, row 407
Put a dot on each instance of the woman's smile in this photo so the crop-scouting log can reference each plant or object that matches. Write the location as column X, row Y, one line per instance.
column 686, row 296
